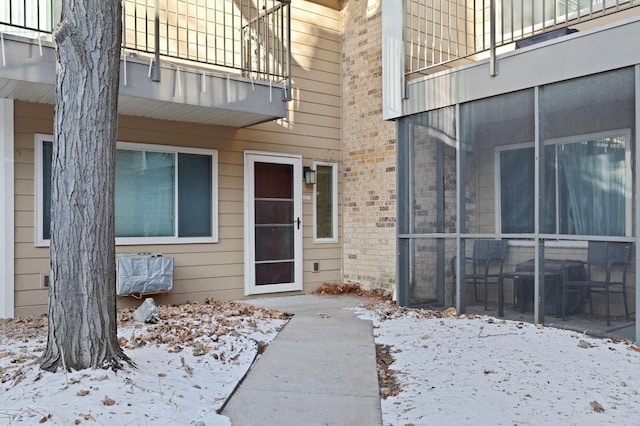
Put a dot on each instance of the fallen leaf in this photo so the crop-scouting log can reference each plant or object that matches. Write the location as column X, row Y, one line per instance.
column 186, row 368
column 82, row 392
column 450, row 312
column 584, row 344
column 488, row 371
column 108, row 401
column 597, row 407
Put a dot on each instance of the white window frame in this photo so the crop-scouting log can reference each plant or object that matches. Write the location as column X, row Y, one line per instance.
column 624, row 133
column 39, row 181
column 334, row 200
column 41, row 242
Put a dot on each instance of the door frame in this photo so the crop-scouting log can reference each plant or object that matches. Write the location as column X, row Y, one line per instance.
column 250, row 157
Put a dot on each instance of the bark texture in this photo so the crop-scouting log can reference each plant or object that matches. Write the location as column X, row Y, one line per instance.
column 82, row 319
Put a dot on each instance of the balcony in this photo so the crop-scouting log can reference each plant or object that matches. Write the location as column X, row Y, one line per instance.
column 216, row 62
column 441, row 34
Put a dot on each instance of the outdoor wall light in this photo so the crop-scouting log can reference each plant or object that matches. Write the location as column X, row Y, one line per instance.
column 309, row 175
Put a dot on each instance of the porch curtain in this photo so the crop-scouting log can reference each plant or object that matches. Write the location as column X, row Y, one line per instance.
column 592, row 188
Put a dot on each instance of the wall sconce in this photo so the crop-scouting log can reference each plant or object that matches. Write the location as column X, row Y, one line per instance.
column 309, row 175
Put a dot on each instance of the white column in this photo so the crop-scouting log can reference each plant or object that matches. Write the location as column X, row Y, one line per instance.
column 393, row 57
column 6, row 209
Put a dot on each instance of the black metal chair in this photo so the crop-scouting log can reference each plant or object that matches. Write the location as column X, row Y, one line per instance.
column 606, row 273
column 486, row 253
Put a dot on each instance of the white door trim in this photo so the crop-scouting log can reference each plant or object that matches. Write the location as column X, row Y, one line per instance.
column 251, row 157
column 7, row 255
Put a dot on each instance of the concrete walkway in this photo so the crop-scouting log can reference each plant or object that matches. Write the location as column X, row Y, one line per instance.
column 320, row 370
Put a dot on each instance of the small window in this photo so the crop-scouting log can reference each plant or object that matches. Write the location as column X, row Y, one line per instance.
column 325, row 201
column 162, row 194
column 586, row 187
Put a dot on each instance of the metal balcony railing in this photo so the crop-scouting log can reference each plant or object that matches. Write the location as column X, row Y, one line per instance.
column 29, row 18
column 439, row 32
column 251, row 38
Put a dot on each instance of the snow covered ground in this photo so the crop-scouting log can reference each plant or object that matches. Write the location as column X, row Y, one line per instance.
column 188, row 364
column 471, row 370
column 450, row 369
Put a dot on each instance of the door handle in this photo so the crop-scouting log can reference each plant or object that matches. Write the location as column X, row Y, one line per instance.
column 297, row 221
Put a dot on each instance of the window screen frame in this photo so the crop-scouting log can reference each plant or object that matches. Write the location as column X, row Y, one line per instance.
column 623, row 133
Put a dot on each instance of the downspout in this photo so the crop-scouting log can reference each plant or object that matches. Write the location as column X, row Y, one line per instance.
column 287, row 94
column 493, row 70
column 155, row 72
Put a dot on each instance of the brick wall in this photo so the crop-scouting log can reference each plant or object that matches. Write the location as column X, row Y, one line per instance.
column 369, row 152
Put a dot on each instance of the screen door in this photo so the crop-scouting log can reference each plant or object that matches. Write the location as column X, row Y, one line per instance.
column 273, row 223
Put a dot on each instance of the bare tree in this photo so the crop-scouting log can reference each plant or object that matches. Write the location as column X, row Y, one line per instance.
column 82, row 300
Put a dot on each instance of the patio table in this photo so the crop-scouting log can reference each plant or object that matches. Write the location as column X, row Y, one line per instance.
column 523, row 278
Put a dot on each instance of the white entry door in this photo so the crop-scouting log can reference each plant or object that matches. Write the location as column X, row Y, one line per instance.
column 273, row 222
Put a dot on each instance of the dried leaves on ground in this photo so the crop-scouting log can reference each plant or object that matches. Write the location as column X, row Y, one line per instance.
column 329, row 289
column 189, row 358
column 387, row 382
column 182, row 326
column 179, row 327
column 179, row 324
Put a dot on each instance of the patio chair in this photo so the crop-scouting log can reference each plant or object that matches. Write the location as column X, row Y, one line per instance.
column 486, row 253
column 606, row 273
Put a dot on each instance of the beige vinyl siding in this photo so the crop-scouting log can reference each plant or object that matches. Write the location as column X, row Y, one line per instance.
column 31, row 263
column 213, row 270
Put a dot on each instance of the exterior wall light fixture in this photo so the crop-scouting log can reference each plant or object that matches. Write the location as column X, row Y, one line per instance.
column 309, row 175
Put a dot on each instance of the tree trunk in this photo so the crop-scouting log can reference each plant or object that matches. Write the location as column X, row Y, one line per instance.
column 82, row 301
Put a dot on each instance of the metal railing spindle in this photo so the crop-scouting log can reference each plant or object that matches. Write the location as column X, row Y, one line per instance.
column 441, row 32
column 433, row 35
column 411, row 34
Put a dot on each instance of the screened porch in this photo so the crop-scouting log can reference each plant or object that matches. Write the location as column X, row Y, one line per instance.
column 540, row 177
